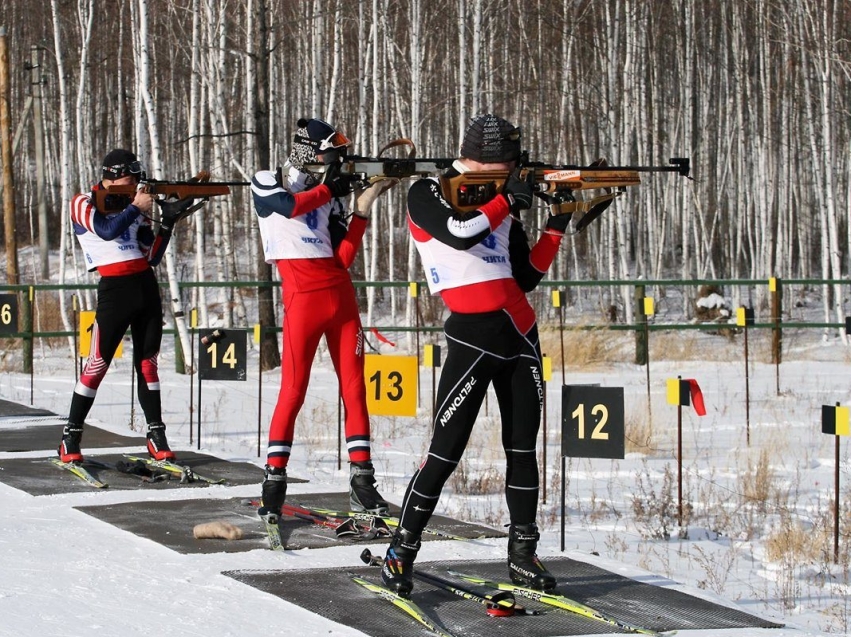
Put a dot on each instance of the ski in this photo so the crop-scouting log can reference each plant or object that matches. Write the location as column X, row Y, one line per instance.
column 402, row 603
column 186, row 473
column 273, row 531
column 554, row 599
column 342, row 527
column 390, row 520
column 147, row 476
column 501, row 604
column 77, row 469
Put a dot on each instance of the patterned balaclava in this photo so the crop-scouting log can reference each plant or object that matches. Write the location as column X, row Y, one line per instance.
column 315, row 137
column 490, row 139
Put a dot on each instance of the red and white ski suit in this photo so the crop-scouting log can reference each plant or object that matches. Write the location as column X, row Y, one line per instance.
column 305, row 235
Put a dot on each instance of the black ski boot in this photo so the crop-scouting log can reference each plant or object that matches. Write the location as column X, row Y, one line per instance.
column 274, row 490
column 523, row 565
column 158, row 447
column 69, row 447
column 363, row 496
column 397, row 572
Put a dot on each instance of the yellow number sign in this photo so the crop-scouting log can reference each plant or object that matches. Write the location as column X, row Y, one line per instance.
column 391, row 385
column 87, row 321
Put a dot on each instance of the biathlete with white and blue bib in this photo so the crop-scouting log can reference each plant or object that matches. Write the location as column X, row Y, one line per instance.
column 122, row 246
column 481, row 265
column 309, row 237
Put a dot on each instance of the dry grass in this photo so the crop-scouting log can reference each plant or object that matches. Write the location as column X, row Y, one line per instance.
column 588, row 349
column 756, row 483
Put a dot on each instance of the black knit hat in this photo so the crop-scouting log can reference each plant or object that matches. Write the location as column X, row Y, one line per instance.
column 491, row 140
column 119, row 163
column 315, row 136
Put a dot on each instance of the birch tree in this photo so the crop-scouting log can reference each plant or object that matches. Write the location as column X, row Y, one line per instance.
column 155, row 154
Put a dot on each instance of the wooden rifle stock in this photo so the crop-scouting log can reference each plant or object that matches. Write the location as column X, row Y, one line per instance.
column 469, row 191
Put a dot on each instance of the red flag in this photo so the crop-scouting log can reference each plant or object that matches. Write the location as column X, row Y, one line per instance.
column 382, row 338
column 696, row 396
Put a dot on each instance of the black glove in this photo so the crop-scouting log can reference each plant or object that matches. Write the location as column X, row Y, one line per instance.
column 558, row 222
column 173, row 211
column 339, row 185
column 519, row 191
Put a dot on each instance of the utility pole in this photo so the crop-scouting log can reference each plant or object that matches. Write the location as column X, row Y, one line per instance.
column 6, row 155
column 38, row 130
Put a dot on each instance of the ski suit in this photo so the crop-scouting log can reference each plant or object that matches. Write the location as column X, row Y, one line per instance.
column 481, row 265
column 122, row 247
column 304, row 234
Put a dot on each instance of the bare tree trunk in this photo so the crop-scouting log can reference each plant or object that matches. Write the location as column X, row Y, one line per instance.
column 64, row 168
column 143, row 62
column 270, row 356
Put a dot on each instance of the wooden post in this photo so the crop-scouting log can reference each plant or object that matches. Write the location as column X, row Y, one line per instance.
column 6, row 156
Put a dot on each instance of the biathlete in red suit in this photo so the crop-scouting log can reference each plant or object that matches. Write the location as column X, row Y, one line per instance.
column 481, row 265
column 305, row 235
column 123, row 248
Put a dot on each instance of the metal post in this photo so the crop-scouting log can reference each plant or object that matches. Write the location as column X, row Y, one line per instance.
column 192, row 379
column 199, row 415
column 544, row 460
column 836, row 504
column 260, row 389
column 777, row 330
column 680, row 458
column 339, row 427
column 563, row 507
column 747, row 392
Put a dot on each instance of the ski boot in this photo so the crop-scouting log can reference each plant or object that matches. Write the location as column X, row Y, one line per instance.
column 523, row 564
column 158, row 447
column 397, row 572
column 69, row 447
column 274, row 491
column 363, row 496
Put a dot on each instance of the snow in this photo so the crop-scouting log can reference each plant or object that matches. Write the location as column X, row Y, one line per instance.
column 65, row 573
column 713, row 300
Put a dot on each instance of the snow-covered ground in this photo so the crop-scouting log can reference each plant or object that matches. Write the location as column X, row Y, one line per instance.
column 759, row 534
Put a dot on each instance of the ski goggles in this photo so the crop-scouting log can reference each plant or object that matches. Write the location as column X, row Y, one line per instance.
column 117, row 171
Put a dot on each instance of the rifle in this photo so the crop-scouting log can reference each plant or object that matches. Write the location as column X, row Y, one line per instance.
column 363, row 171
column 557, row 184
column 470, row 190
column 117, row 198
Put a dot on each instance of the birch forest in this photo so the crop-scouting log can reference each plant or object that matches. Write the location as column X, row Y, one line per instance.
column 755, row 92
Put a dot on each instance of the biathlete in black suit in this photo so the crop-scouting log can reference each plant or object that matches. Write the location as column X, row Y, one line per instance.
column 481, row 265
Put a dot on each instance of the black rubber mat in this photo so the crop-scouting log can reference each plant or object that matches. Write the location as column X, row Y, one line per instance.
column 9, row 409
column 332, row 594
column 37, row 476
column 171, row 523
column 45, row 437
